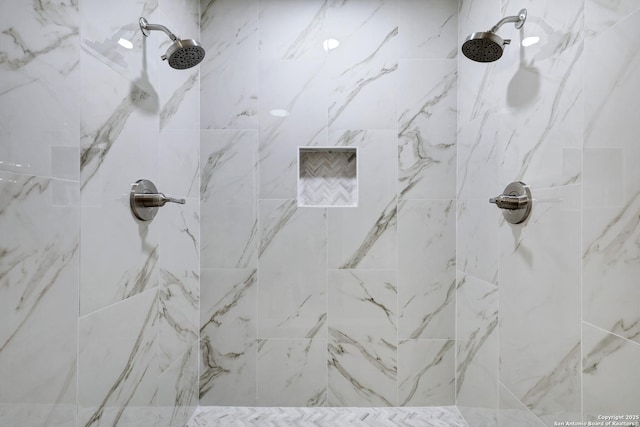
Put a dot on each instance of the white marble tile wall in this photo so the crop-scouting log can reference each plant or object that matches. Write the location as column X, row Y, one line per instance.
column 558, row 115
column 362, row 338
column 612, row 183
column 477, row 348
column 139, row 119
column 539, row 306
column 427, row 128
column 329, row 306
column 39, row 212
column 229, row 76
column 366, row 237
column 228, row 327
column 609, row 366
column 513, row 412
column 99, row 317
column 302, row 304
column 39, row 224
column 122, row 341
column 611, row 338
column 39, row 112
column 178, row 390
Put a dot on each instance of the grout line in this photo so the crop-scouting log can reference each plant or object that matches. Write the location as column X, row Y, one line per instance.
column 581, row 301
column 523, row 406
column 611, row 333
column 199, row 163
column 101, row 309
column 256, row 204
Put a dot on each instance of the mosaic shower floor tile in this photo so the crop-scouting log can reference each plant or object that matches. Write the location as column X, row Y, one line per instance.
column 446, row 416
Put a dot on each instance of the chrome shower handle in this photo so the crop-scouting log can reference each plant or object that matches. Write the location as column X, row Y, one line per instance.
column 145, row 200
column 515, row 202
column 155, row 200
column 505, row 201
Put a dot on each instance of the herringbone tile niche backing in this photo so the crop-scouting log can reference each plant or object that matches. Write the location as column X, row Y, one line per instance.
column 328, row 176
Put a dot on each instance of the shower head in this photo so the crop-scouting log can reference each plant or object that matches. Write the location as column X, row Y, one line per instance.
column 181, row 54
column 484, row 47
column 184, row 54
column 488, row 46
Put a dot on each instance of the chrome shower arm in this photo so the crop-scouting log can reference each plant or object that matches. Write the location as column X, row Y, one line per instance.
column 517, row 20
column 146, row 27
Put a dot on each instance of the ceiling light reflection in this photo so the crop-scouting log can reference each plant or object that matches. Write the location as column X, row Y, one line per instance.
column 530, row 41
column 330, row 44
column 125, row 43
column 279, row 113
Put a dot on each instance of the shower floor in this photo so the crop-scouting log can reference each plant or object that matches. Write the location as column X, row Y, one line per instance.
column 437, row 416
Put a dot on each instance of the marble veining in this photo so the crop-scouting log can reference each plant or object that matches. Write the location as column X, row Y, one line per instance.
column 615, row 236
column 385, row 221
column 39, row 260
column 361, row 373
column 426, row 270
column 341, row 338
column 363, row 303
column 173, row 105
column 51, row 265
column 543, row 398
column 427, row 152
column 477, row 350
column 428, row 318
column 609, row 345
column 30, row 55
column 609, row 373
column 283, row 215
column 230, row 300
column 567, row 102
column 229, row 73
column 338, row 107
column 513, row 412
column 609, row 259
column 227, row 151
column 228, row 336
column 292, row 371
column 97, row 144
column 178, row 390
column 179, row 304
column 428, row 29
column 425, row 373
column 228, row 198
column 478, row 158
column 472, row 344
column 299, row 44
column 600, row 15
column 128, row 380
column 365, row 237
column 362, row 351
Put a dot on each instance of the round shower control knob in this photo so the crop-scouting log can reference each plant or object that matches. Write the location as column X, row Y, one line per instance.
column 515, row 202
column 145, row 200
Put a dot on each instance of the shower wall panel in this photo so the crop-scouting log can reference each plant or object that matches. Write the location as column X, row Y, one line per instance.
column 139, row 119
column 560, row 115
column 610, row 236
column 100, row 312
column 341, row 306
column 39, row 212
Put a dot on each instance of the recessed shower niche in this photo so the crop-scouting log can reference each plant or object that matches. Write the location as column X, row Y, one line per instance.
column 327, row 176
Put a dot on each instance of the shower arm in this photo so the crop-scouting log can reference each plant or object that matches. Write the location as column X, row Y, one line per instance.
column 517, row 20
column 146, row 27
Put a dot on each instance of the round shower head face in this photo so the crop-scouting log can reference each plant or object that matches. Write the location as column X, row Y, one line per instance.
column 483, row 47
column 184, row 54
